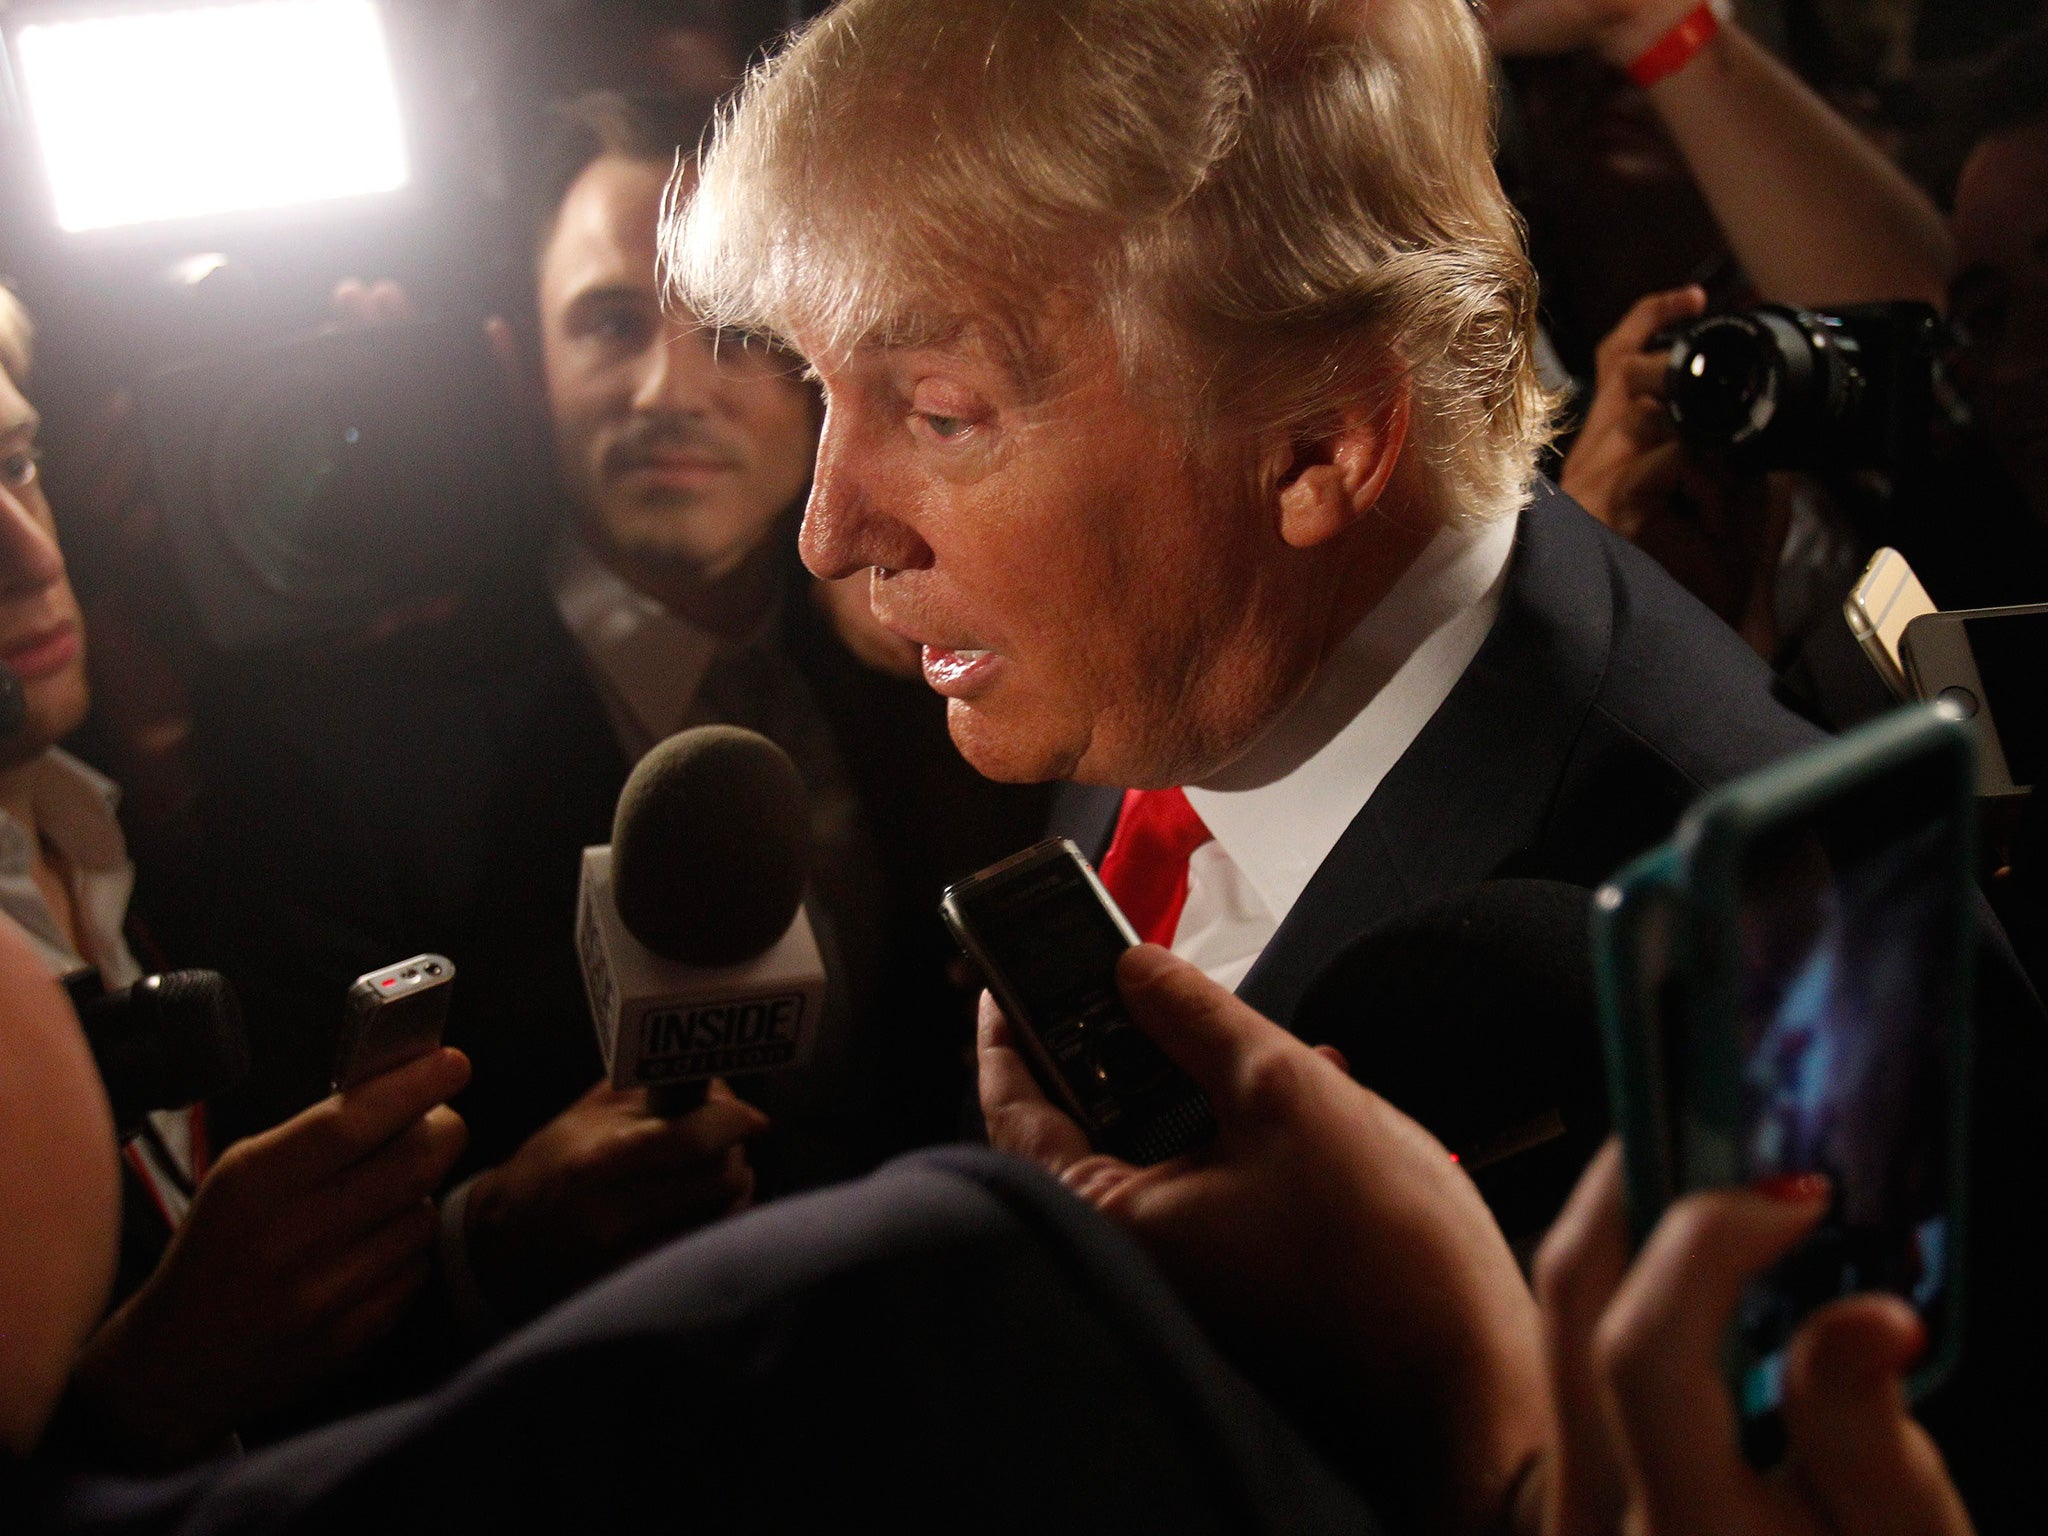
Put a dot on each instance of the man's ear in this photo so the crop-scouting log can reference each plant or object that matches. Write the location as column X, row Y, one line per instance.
column 1337, row 478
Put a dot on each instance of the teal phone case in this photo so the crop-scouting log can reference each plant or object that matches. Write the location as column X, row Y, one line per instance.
column 1667, row 957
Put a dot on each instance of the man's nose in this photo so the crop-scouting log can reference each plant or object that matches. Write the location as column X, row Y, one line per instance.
column 846, row 528
column 29, row 558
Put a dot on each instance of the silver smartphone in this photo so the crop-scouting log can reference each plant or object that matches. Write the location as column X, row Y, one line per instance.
column 1886, row 598
column 393, row 1016
column 1990, row 666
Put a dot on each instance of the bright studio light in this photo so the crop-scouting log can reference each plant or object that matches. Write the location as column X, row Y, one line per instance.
column 175, row 114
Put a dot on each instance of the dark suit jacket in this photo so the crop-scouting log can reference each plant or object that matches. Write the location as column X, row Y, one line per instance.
column 426, row 792
column 1604, row 700
column 433, row 790
column 953, row 1343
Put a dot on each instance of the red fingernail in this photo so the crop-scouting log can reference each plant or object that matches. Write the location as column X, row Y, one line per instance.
column 1793, row 1188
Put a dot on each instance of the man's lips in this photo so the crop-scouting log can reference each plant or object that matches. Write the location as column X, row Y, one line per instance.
column 951, row 667
column 675, row 465
column 41, row 652
column 961, row 673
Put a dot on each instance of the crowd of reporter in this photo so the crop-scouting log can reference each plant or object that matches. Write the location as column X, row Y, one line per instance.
column 1317, row 1323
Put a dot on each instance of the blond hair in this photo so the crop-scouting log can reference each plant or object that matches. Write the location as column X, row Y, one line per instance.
column 17, row 336
column 1280, row 209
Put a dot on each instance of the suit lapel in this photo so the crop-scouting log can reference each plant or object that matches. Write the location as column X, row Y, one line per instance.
column 1478, row 782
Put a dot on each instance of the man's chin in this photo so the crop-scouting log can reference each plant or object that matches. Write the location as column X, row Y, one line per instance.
column 1004, row 752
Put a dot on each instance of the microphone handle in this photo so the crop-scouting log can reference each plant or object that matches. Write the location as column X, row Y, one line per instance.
column 673, row 1099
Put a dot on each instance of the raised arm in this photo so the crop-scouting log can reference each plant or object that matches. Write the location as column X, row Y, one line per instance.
column 1814, row 212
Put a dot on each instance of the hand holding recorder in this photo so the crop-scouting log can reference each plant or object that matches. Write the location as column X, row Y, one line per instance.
column 1326, row 1238
column 303, row 1246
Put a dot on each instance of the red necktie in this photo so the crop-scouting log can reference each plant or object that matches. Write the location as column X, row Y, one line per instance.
column 1146, row 868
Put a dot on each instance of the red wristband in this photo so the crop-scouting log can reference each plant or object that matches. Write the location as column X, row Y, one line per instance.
column 1675, row 49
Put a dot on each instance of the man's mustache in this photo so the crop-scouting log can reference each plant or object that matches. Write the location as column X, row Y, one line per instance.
column 648, row 439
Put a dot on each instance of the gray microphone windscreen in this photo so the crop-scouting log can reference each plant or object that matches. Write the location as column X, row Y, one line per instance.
column 711, row 846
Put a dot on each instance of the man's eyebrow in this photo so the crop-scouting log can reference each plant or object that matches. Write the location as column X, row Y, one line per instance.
column 963, row 342
column 610, row 293
column 27, row 424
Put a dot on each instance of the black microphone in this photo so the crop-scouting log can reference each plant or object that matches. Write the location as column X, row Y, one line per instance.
column 697, row 955
column 1477, row 1014
column 168, row 1041
column 13, row 702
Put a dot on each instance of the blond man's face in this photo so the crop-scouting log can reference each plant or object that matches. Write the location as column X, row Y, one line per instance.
column 1090, row 605
column 42, row 636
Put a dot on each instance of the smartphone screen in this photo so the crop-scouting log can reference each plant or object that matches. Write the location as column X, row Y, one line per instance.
column 1850, row 980
column 2011, row 652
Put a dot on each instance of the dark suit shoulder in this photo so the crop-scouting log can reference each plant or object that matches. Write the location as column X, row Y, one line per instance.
column 1678, row 702
column 1678, row 679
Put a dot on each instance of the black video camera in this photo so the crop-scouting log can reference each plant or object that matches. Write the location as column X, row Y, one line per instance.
column 312, row 486
column 1782, row 388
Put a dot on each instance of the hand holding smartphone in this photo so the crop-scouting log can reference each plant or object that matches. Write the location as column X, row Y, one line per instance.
column 1785, row 991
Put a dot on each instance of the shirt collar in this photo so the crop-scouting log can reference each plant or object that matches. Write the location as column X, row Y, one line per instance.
column 74, row 807
column 649, row 660
column 1279, row 809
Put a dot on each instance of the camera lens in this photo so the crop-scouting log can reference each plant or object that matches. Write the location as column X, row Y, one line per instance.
column 282, row 473
column 1722, row 384
column 1781, row 388
column 434, row 969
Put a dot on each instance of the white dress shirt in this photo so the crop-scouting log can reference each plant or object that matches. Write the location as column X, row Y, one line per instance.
column 74, row 809
column 1278, row 810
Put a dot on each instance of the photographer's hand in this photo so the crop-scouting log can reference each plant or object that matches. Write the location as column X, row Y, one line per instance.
column 1626, row 454
column 1715, row 528
column 1647, row 1427
column 601, row 1183
column 303, row 1246
column 1324, row 1236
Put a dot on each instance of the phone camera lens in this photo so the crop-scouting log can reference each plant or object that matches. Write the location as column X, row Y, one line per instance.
column 434, row 970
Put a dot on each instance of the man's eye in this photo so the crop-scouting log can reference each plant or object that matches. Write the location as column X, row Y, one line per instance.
column 18, row 469
column 624, row 329
column 944, row 426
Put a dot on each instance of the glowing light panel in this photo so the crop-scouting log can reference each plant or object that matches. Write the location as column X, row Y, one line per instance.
column 217, row 109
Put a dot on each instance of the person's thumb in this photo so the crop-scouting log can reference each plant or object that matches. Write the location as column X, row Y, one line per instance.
column 1206, row 1031
column 1856, row 1451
